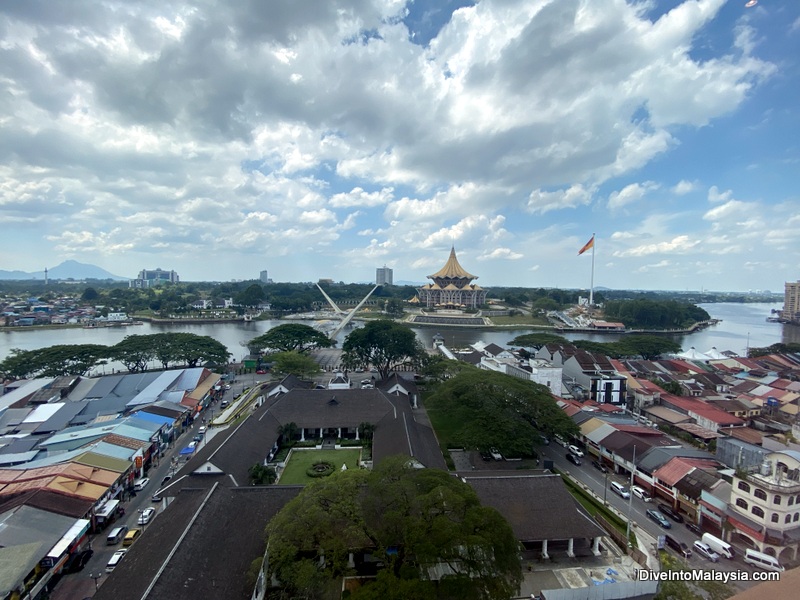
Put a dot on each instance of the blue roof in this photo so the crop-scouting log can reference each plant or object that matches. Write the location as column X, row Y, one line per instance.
column 157, row 419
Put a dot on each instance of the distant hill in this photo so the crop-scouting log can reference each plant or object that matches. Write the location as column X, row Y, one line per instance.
column 69, row 269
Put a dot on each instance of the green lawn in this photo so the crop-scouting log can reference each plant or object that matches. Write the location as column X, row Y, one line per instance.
column 295, row 471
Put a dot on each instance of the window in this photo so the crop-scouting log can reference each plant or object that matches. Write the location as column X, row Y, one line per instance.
column 743, row 485
column 796, row 516
column 774, row 518
column 791, row 500
column 756, row 510
column 741, row 503
column 760, row 494
column 788, row 519
column 776, row 499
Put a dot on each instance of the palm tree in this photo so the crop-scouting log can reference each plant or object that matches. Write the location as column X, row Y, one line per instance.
column 366, row 431
column 288, row 431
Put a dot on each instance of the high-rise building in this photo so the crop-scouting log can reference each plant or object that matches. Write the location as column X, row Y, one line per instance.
column 384, row 276
column 149, row 278
column 791, row 302
column 263, row 277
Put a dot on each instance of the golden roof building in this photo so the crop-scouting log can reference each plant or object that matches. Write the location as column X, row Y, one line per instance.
column 452, row 287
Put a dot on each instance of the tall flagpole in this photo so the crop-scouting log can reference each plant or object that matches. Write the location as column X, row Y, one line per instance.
column 591, row 288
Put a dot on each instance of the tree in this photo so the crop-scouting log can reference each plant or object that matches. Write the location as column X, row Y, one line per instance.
column 484, row 409
column 90, row 295
column 287, row 431
column 366, row 431
column 293, row 363
column 537, row 340
column 262, row 474
column 394, row 307
column 252, row 296
column 649, row 347
column 291, row 337
column 426, row 516
column 383, row 344
column 134, row 351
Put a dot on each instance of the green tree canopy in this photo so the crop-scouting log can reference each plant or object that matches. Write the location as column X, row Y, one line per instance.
column 252, row 296
column 383, row 344
column 424, row 516
column 53, row 361
column 484, row 409
column 291, row 337
column 293, row 363
column 537, row 340
column 649, row 347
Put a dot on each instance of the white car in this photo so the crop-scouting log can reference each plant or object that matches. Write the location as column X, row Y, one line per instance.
column 147, row 515
column 705, row 550
column 640, row 493
column 573, row 449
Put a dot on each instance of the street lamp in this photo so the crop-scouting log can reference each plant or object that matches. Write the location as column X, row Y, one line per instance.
column 96, row 576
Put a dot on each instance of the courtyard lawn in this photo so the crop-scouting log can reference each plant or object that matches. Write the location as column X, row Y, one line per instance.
column 295, row 471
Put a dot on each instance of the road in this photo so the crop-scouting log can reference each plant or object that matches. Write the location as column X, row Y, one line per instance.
column 598, row 482
column 82, row 584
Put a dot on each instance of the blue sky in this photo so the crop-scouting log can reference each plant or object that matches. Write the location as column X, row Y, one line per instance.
column 325, row 140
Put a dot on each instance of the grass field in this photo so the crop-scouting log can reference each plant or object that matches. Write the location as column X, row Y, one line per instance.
column 295, row 471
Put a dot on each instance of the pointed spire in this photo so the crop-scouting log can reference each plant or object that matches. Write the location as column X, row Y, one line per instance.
column 452, row 269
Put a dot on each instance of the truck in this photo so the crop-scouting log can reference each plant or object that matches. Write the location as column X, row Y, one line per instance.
column 719, row 546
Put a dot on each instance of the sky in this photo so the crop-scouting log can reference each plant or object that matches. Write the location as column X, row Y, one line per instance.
column 326, row 139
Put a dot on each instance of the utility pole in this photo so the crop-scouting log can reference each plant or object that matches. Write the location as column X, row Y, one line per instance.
column 630, row 497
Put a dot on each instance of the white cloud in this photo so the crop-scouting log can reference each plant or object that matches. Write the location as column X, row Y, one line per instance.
column 358, row 197
column 501, row 253
column 540, row 201
column 630, row 193
column 715, row 196
column 683, row 187
column 678, row 245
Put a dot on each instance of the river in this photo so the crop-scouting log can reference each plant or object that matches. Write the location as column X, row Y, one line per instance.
column 742, row 326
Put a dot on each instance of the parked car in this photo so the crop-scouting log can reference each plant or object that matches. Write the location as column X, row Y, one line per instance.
column 599, row 466
column 156, row 497
column 261, row 372
column 198, row 438
column 671, row 513
column 640, row 493
column 495, row 453
column 166, row 479
column 146, row 515
column 704, row 550
column 574, row 459
column 78, row 561
column 131, row 536
column 658, row 518
column 575, row 450
column 694, row 528
column 114, row 560
column 201, row 430
column 680, row 547
column 223, row 404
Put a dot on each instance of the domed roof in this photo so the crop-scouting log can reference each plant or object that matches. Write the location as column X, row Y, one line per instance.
column 452, row 269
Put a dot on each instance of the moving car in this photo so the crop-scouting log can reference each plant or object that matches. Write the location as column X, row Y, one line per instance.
column 599, row 466
column 140, row 484
column 671, row 513
column 146, row 515
column 575, row 450
column 620, row 489
column 640, row 493
column 704, row 550
column 574, row 459
column 202, row 430
column 658, row 518
column 223, row 404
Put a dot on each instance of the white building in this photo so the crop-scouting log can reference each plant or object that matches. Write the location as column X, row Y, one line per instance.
column 765, row 506
column 384, row 276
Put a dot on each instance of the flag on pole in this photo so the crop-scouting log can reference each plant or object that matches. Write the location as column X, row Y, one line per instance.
column 587, row 246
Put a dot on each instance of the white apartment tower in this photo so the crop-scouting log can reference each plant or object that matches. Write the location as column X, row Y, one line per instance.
column 384, row 276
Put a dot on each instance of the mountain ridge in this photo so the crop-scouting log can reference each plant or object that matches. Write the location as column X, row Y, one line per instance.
column 68, row 269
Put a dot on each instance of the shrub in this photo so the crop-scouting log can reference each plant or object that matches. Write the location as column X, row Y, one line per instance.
column 321, row 468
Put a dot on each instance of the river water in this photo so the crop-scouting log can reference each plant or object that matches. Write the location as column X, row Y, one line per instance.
column 742, row 326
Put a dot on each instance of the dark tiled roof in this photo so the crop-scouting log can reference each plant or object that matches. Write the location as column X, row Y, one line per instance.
column 210, row 561
column 330, row 408
column 538, row 506
column 71, row 506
